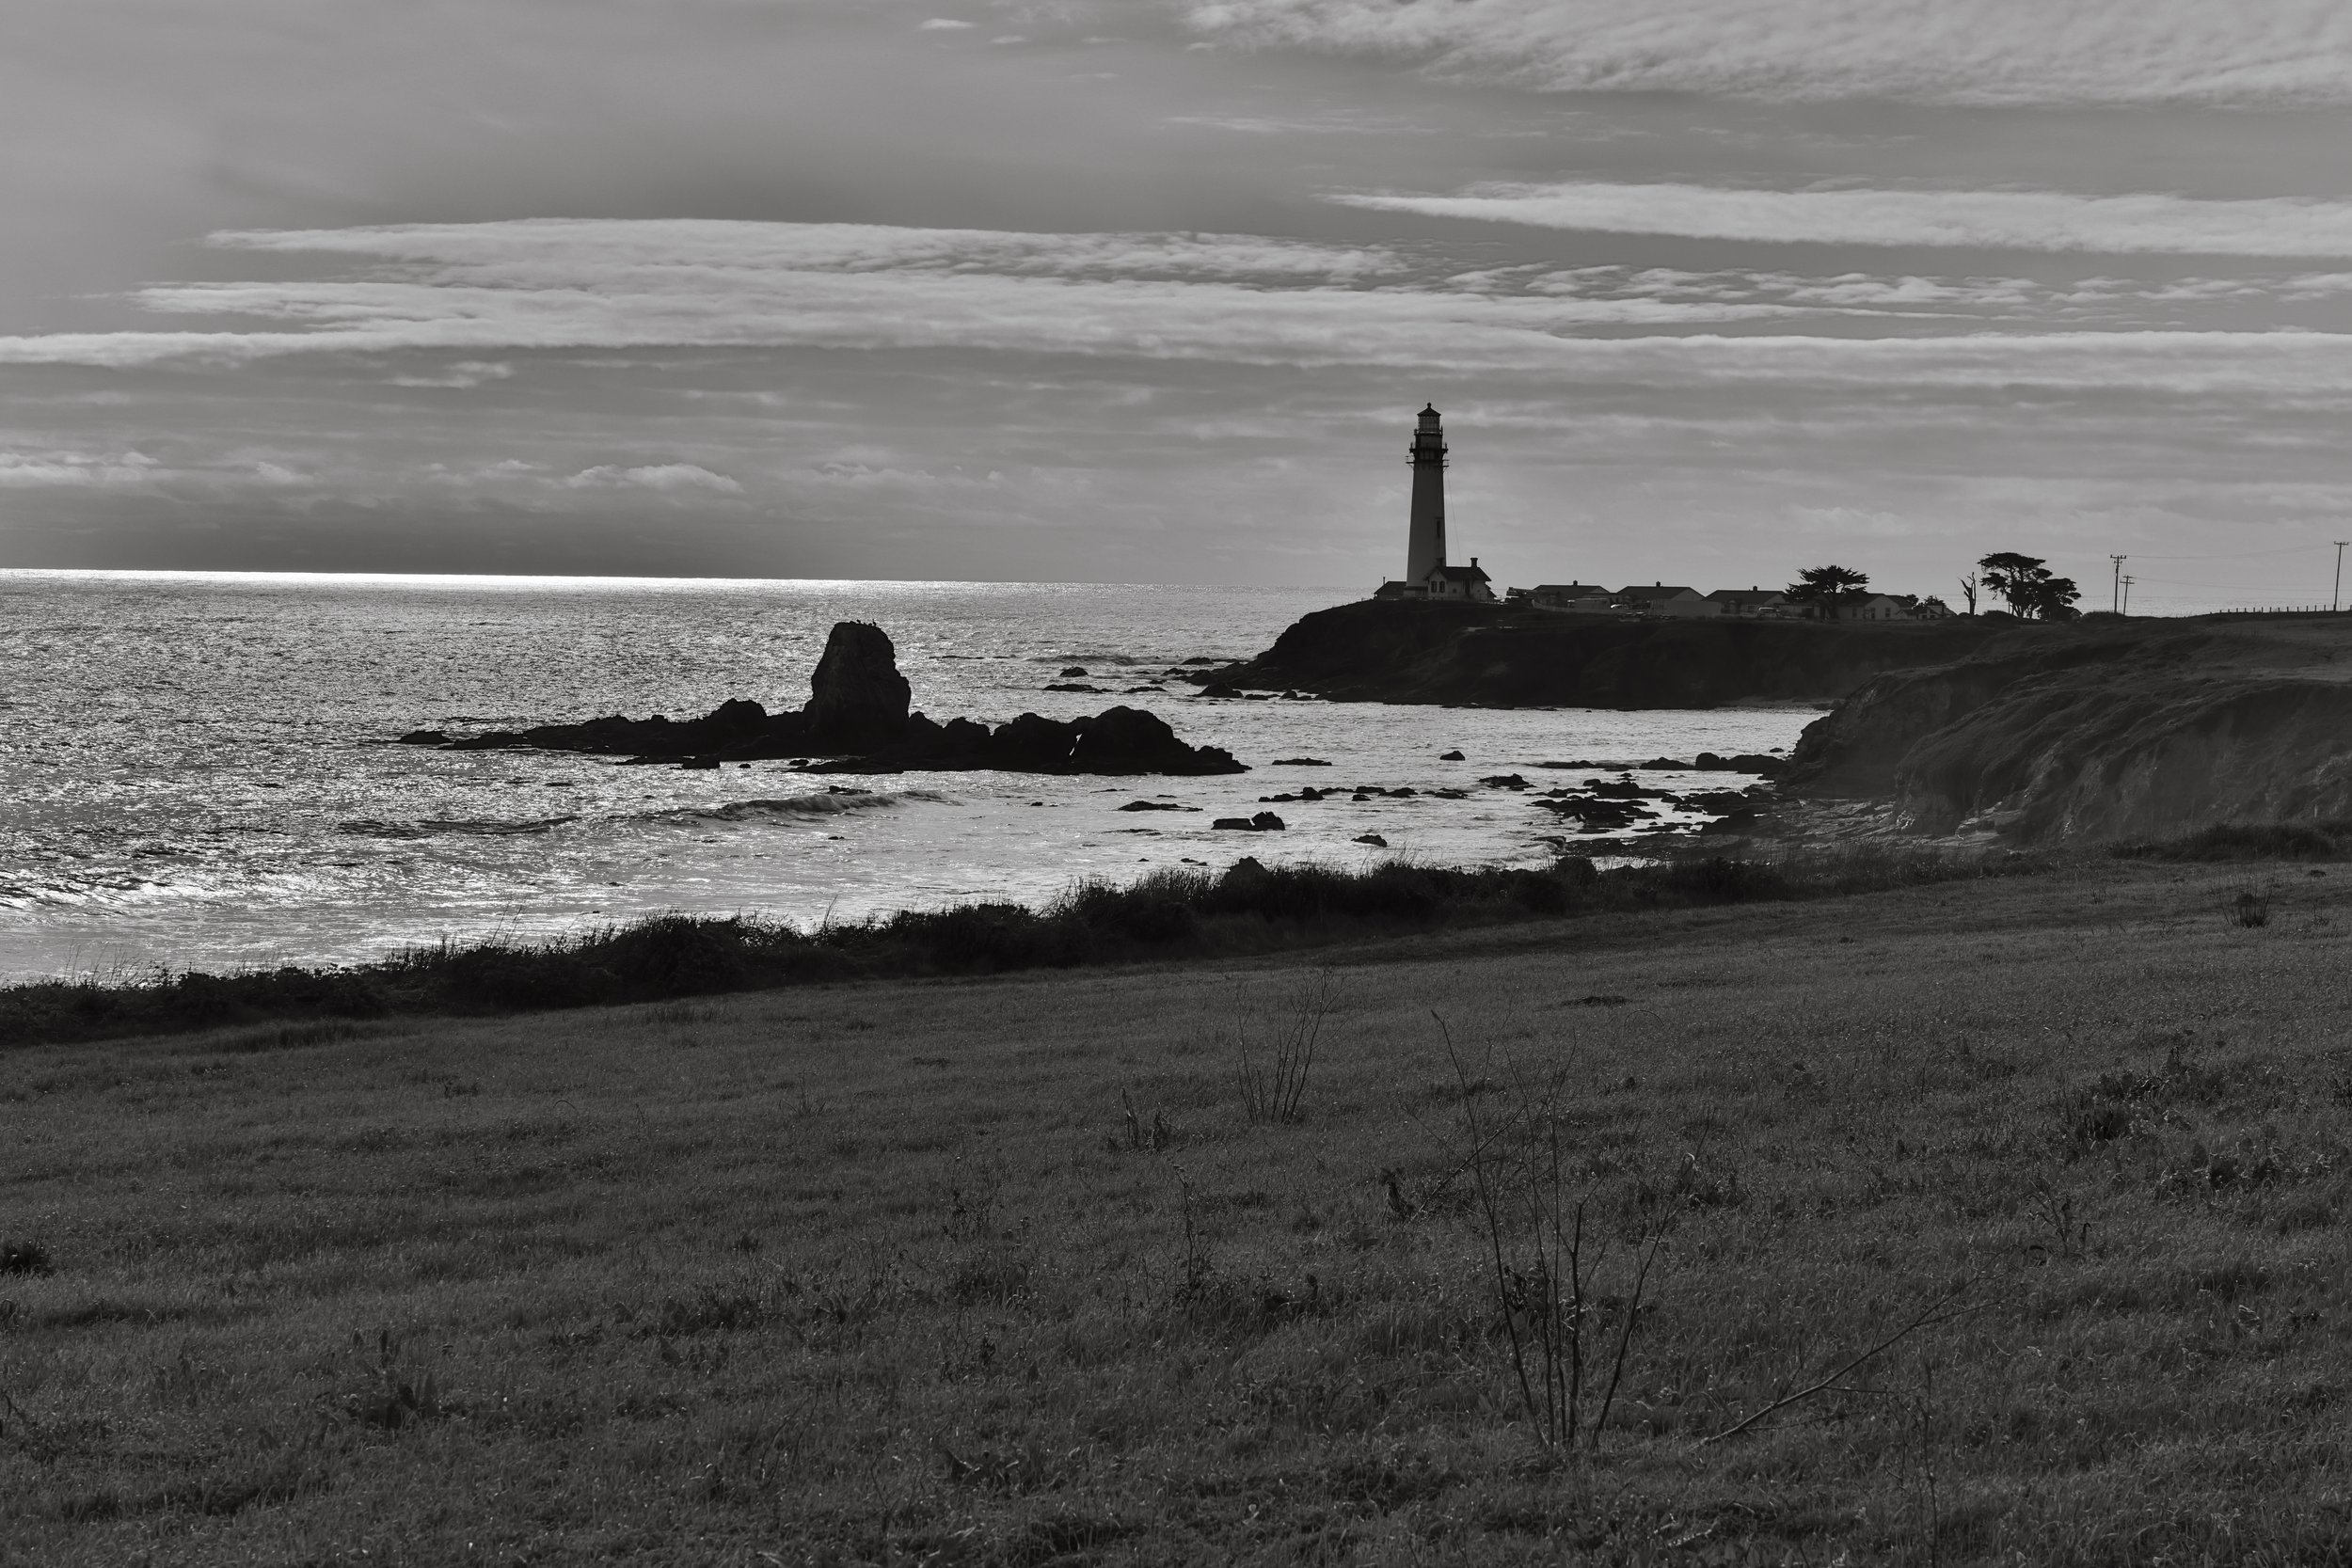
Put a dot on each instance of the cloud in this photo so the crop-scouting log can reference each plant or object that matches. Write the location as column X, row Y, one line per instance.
column 492, row 288
column 78, row 470
column 1981, row 219
column 945, row 24
column 1955, row 50
column 656, row 476
column 463, row 375
column 563, row 247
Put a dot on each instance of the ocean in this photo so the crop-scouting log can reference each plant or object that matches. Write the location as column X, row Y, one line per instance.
column 196, row 768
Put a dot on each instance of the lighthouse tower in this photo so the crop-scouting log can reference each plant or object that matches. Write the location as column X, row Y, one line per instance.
column 1424, row 550
column 1426, row 573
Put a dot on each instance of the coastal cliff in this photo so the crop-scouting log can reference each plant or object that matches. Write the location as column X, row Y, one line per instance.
column 1503, row 656
column 2121, row 730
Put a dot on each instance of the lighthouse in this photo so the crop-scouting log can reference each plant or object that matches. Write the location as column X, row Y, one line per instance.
column 1426, row 573
column 1424, row 549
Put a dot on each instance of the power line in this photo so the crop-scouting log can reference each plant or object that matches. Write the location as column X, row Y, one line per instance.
column 2228, row 586
column 2232, row 555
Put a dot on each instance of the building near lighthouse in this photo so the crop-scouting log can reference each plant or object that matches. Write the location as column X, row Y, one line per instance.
column 1428, row 575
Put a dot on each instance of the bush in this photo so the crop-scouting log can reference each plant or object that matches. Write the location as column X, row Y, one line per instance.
column 520, row 978
column 1246, row 909
column 2232, row 841
column 987, row 938
column 25, row 1258
column 675, row 955
column 1718, row 880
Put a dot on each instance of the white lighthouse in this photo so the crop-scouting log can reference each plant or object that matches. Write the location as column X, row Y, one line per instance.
column 1424, row 549
column 1426, row 573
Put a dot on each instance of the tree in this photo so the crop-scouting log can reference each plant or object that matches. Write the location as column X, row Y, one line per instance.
column 2027, row 582
column 1828, row 587
column 2054, row 600
column 1968, row 586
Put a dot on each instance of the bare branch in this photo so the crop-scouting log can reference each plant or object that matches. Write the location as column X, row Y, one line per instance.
column 1936, row 1311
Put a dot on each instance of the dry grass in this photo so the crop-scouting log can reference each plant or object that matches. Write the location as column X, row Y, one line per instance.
column 1001, row 1271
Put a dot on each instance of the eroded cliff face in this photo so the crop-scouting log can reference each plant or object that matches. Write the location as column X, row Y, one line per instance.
column 1505, row 656
column 2138, row 730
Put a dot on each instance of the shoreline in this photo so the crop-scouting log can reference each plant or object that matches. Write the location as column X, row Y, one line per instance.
column 1809, row 851
column 1249, row 909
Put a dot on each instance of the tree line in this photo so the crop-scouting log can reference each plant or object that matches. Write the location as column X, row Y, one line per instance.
column 2023, row 582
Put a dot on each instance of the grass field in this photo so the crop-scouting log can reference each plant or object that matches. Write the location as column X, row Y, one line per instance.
column 1004, row 1270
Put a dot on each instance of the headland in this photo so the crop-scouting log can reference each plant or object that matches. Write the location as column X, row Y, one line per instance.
column 2096, row 729
column 2102, row 730
column 1517, row 655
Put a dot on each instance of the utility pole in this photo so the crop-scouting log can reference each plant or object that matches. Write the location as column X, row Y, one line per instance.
column 2335, row 600
column 2126, row 585
column 2115, row 598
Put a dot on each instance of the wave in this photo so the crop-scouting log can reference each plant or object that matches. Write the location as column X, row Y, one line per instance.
column 76, row 892
column 368, row 827
column 833, row 802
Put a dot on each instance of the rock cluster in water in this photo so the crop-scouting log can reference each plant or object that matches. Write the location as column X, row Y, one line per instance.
column 857, row 721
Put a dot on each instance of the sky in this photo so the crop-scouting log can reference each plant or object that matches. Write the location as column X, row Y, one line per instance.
column 1149, row 290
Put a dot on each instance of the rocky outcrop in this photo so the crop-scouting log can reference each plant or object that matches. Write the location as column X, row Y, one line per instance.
column 857, row 699
column 1116, row 741
column 1510, row 656
column 857, row 721
column 2123, row 731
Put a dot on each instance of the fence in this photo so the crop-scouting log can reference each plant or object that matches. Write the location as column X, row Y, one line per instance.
column 2247, row 611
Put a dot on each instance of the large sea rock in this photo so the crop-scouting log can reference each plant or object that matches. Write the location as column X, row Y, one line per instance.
column 857, row 699
column 856, row 720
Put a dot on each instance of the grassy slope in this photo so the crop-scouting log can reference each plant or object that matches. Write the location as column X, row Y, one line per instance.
column 877, row 1272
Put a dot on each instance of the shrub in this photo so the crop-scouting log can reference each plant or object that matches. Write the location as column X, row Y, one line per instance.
column 25, row 1257
column 2233, row 841
column 1245, row 909
column 521, row 977
column 986, row 937
column 675, row 955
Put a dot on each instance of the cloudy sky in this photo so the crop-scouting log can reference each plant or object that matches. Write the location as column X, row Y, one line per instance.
column 1149, row 290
